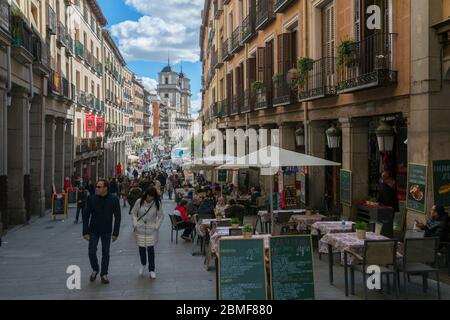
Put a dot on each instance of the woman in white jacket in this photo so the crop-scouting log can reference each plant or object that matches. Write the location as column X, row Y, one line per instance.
column 147, row 216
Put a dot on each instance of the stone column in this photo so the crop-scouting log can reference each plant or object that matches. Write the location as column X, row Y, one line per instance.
column 3, row 160
column 355, row 149
column 17, row 156
column 49, row 172
column 69, row 147
column 428, row 123
column 37, row 156
column 316, row 175
column 287, row 136
column 60, row 141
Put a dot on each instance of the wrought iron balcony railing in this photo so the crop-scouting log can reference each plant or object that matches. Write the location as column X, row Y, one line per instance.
column 69, row 45
column 367, row 64
column 62, row 37
column 21, row 33
column 283, row 92
column 226, row 107
column 236, row 40
column 226, row 50
column 263, row 97
column 79, row 49
column 264, row 13
column 249, row 101
column 65, row 88
column 319, row 82
column 281, row 5
column 237, row 102
column 248, row 27
column 40, row 50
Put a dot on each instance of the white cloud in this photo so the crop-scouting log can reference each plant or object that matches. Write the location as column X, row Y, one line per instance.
column 166, row 27
column 196, row 105
column 149, row 84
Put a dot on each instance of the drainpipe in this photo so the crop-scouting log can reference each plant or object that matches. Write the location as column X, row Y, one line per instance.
column 8, row 75
column 306, row 46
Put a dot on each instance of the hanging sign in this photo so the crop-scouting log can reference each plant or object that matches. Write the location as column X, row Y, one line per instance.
column 441, row 182
column 417, row 187
column 90, row 123
column 100, row 124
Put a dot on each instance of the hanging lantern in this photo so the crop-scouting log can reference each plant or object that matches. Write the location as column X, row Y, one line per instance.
column 385, row 136
column 333, row 137
column 84, row 165
column 300, row 136
column 93, row 162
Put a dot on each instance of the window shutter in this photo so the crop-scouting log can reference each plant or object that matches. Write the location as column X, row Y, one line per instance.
column 261, row 64
column 280, row 51
column 269, row 65
column 251, row 71
column 357, row 19
column 287, row 49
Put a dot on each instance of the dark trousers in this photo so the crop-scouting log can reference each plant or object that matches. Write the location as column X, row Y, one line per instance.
column 189, row 227
column 93, row 244
column 151, row 257
column 80, row 208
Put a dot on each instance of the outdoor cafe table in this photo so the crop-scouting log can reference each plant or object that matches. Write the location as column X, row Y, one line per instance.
column 324, row 227
column 339, row 242
column 305, row 221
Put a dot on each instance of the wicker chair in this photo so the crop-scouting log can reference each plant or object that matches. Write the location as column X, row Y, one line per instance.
column 420, row 255
column 381, row 253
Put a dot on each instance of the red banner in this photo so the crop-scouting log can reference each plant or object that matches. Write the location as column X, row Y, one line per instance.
column 100, row 124
column 90, row 123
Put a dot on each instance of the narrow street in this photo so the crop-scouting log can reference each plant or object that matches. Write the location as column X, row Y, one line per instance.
column 34, row 259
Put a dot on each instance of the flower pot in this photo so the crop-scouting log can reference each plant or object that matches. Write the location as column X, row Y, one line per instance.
column 361, row 234
column 219, row 217
column 235, row 226
column 309, row 212
column 248, row 235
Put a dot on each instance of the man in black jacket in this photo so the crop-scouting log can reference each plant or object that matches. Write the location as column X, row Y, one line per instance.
column 98, row 225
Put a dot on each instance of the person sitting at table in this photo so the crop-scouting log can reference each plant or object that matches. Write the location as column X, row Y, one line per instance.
column 184, row 219
column 207, row 205
column 437, row 224
column 235, row 210
column 235, row 192
column 221, row 205
column 192, row 206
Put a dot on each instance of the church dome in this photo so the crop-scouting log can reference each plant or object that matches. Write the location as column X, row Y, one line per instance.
column 167, row 69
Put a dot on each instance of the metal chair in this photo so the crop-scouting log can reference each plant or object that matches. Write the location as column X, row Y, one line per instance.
column 381, row 253
column 175, row 227
column 418, row 258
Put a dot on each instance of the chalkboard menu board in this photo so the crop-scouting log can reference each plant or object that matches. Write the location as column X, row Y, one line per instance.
column 72, row 196
column 292, row 271
column 346, row 187
column 59, row 204
column 417, row 187
column 242, row 270
column 441, row 182
column 222, row 175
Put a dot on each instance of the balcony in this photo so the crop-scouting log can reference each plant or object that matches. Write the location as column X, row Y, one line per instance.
column 249, row 101
column 218, row 9
column 320, row 81
column 51, row 21
column 5, row 23
column 87, row 145
column 72, row 96
column 79, row 49
column 264, row 13
column 62, row 37
column 283, row 93
column 236, row 40
column 281, row 5
column 237, row 102
column 89, row 58
column 54, row 83
column 69, row 46
column 248, row 28
column 217, row 61
column 65, row 88
column 263, row 96
column 226, row 50
column 82, row 99
column 22, row 45
column 40, row 53
column 367, row 64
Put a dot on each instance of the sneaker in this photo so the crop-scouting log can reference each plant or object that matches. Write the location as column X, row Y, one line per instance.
column 152, row 275
column 186, row 238
column 141, row 271
column 105, row 279
column 93, row 276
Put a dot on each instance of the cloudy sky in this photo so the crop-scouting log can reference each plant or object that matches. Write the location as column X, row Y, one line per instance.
column 149, row 31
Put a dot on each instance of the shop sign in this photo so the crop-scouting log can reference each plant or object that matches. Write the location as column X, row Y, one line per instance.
column 441, row 182
column 90, row 123
column 417, row 187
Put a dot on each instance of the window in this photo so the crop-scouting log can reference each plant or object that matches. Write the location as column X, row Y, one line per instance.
column 166, row 81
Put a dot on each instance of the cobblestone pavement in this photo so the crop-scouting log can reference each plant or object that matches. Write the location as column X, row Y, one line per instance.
column 34, row 259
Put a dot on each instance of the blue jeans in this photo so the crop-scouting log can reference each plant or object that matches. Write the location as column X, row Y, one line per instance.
column 93, row 244
column 170, row 194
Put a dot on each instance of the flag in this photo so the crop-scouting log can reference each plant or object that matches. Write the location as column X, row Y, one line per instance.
column 100, row 124
column 90, row 123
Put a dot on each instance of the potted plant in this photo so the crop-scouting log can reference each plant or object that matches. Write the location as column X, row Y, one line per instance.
column 235, row 223
column 361, row 228
column 277, row 78
column 304, row 65
column 218, row 214
column 309, row 211
column 247, row 231
column 256, row 86
column 347, row 53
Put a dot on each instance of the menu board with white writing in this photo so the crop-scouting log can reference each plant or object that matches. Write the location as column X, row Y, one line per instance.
column 292, row 271
column 242, row 271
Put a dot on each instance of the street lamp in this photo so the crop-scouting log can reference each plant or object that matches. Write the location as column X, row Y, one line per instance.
column 333, row 137
column 300, row 136
column 385, row 136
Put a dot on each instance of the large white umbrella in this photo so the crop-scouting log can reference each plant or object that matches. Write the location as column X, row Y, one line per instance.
column 209, row 163
column 270, row 159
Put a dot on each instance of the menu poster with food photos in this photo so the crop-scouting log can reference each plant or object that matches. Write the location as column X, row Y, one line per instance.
column 441, row 182
column 417, row 187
